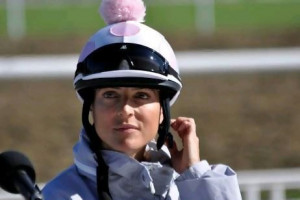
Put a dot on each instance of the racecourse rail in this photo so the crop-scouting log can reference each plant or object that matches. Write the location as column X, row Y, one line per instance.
column 205, row 61
column 252, row 182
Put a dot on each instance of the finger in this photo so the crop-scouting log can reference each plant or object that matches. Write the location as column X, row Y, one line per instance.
column 183, row 126
column 179, row 120
column 185, row 129
column 176, row 123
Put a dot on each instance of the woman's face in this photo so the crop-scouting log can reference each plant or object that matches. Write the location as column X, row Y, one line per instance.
column 126, row 118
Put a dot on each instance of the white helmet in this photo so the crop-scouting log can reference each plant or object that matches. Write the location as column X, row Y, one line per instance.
column 127, row 53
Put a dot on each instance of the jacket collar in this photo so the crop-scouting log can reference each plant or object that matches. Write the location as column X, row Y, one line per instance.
column 119, row 163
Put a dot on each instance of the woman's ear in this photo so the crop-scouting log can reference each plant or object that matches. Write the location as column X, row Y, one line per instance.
column 91, row 115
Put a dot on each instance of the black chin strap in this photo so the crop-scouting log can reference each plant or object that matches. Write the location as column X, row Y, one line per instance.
column 95, row 144
column 163, row 131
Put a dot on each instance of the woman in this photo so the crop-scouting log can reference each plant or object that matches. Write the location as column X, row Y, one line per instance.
column 127, row 78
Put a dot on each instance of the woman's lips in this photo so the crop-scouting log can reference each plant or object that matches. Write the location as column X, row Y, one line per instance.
column 126, row 127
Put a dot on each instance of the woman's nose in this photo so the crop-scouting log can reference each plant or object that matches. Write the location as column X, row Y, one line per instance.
column 125, row 108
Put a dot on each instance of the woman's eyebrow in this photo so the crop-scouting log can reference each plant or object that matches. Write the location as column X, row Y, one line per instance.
column 144, row 88
column 138, row 88
column 108, row 88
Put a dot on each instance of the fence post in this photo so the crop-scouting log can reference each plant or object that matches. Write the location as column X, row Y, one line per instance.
column 278, row 192
column 252, row 192
column 205, row 16
column 16, row 19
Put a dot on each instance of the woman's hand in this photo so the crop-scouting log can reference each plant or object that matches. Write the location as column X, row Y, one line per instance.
column 189, row 154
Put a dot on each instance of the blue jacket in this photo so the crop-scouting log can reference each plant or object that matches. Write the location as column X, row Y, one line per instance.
column 133, row 180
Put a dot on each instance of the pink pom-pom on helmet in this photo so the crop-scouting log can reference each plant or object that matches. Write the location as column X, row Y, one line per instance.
column 114, row 11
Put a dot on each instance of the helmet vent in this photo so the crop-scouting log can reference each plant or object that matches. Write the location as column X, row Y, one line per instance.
column 124, row 65
column 123, row 47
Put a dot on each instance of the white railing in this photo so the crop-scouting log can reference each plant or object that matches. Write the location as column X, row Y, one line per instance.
column 212, row 61
column 275, row 181
column 252, row 183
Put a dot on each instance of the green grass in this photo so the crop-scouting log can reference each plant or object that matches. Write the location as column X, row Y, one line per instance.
column 3, row 29
column 175, row 18
column 290, row 194
column 293, row 194
column 58, row 20
column 259, row 16
column 63, row 20
column 84, row 19
column 247, row 16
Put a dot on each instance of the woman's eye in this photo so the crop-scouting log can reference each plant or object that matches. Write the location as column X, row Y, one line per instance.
column 142, row 95
column 110, row 94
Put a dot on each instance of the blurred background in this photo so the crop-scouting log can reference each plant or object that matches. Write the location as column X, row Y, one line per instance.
column 248, row 119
